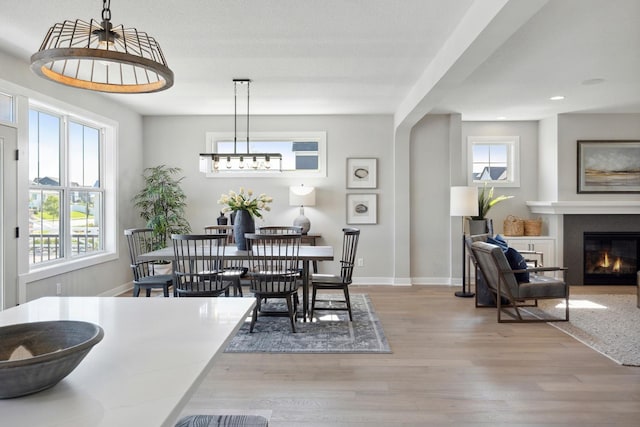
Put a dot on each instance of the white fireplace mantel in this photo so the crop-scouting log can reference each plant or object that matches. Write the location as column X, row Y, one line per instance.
column 585, row 207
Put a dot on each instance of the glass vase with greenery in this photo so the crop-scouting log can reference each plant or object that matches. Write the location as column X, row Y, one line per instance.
column 486, row 201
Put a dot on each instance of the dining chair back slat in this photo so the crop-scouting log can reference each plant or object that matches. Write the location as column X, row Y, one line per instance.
column 342, row 281
column 145, row 276
column 234, row 268
column 198, row 264
column 273, row 270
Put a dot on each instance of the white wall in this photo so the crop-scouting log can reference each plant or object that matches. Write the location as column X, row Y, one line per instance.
column 102, row 278
column 548, row 159
column 177, row 140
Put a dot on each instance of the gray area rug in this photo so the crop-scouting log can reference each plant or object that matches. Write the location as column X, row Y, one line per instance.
column 330, row 332
column 610, row 324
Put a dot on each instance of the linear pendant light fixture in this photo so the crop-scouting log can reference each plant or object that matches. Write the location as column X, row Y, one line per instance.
column 240, row 162
column 98, row 56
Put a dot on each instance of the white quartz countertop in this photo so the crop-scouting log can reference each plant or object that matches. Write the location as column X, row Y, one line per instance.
column 154, row 353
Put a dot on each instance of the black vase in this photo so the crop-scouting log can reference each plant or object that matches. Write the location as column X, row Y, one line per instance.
column 243, row 223
column 222, row 220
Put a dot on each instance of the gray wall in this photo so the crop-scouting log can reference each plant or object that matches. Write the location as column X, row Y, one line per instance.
column 177, row 140
column 528, row 190
column 430, row 220
column 434, row 166
column 574, row 127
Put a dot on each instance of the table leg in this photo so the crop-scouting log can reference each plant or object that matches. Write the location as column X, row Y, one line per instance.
column 305, row 288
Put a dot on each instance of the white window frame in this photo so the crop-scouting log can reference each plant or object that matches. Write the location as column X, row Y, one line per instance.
column 29, row 273
column 513, row 160
column 212, row 139
column 11, row 122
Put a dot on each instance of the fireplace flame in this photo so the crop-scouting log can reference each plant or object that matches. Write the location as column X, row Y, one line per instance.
column 605, row 261
column 617, row 265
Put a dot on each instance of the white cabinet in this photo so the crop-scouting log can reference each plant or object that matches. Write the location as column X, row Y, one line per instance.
column 544, row 244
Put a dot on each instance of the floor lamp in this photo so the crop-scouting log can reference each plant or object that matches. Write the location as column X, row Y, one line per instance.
column 464, row 203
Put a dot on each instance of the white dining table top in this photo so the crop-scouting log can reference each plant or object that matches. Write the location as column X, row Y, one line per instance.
column 154, row 353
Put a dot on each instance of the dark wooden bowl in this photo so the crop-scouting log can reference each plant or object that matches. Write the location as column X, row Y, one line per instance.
column 50, row 351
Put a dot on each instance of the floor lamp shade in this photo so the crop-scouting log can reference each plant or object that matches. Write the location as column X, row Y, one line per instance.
column 302, row 196
column 464, row 201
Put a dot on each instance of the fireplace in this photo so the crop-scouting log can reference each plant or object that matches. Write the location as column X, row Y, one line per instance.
column 611, row 258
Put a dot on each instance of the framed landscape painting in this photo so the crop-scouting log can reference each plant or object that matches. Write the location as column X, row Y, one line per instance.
column 609, row 166
column 361, row 173
column 362, row 208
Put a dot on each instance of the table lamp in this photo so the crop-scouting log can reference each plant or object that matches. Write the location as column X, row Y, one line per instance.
column 302, row 196
column 464, row 203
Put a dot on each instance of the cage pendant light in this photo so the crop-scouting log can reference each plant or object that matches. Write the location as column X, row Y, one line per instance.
column 98, row 56
column 240, row 161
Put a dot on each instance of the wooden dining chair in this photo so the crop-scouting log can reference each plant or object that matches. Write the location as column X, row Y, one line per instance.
column 273, row 270
column 234, row 269
column 338, row 281
column 141, row 240
column 198, row 265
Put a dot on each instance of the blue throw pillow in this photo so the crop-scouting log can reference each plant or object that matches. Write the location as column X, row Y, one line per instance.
column 498, row 241
column 517, row 262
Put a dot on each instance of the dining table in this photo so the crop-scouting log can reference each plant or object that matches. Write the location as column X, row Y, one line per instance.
column 154, row 354
column 306, row 254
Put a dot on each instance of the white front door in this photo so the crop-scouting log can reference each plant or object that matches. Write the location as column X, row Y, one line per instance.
column 8, row 217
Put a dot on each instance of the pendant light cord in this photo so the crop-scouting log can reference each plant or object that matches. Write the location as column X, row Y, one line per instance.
column 248, row 84
column 235, row 116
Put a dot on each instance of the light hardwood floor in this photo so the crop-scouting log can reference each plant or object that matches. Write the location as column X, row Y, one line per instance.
column 452, row 364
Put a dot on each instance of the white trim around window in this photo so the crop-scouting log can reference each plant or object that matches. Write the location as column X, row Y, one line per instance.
column 508, row 161
column 109, row 252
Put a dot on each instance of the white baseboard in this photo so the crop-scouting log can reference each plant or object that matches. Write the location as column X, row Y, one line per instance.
column 118, row 290
column 408, row 281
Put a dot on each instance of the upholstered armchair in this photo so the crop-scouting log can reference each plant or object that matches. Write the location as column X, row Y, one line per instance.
column 518, row 287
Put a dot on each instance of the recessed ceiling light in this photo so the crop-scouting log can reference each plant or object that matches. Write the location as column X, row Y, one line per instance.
column 557, row 98
column 590, row 82
column 501, row 118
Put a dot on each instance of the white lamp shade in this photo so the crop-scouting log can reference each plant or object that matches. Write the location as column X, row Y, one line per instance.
column 464, row 201
column 300, row 195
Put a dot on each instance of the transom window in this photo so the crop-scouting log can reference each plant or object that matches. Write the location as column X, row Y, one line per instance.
column 66, row 195
column 6, row 108
column 493, row 160
column 303, row 153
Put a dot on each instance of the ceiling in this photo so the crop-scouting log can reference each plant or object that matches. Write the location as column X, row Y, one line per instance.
column 485, row 59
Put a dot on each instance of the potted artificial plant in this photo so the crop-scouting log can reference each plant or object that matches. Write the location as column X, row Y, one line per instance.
column 161, row 203
column 479, row 224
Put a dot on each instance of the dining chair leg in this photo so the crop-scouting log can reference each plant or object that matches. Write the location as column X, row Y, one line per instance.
column 136, row 290
column 148, row 292
column 254, row 316
column 313, row 303
column 292, row 313
column 237, row 287
column 348, row 301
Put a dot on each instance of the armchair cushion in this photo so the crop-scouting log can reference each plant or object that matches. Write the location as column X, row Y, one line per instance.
column 517, row 262
column 515, row 258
